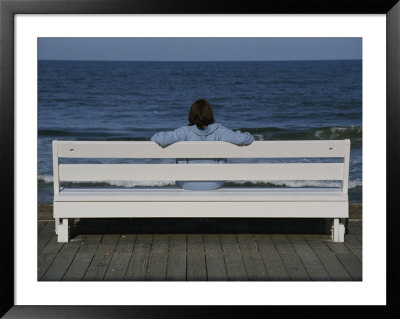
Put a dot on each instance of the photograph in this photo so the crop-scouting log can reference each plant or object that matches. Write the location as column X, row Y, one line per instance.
column 199, row 159
column 167, row 158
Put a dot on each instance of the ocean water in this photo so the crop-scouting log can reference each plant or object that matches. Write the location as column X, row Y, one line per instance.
column 273, row 100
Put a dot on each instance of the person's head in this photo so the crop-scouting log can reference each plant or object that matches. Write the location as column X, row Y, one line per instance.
column 201, row 114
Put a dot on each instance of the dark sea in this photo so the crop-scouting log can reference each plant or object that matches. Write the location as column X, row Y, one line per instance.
column 130, row 101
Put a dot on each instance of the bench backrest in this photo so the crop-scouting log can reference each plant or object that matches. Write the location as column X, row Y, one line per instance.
column 229, row 171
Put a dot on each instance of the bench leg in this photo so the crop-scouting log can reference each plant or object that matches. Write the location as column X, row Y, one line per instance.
column 345, row 222
column 337, row 231
column 62, row 230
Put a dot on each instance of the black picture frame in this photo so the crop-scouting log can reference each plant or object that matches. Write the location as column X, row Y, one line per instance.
column 9, row 8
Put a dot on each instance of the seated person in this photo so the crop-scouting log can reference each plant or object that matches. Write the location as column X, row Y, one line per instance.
column 202, row 127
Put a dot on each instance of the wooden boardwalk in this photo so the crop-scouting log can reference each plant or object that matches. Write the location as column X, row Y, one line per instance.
column 192, row 250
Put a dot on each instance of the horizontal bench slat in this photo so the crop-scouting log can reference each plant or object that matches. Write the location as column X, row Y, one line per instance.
column 201, row 209
column 200, row 172
column 180, row 195
column 258, row 149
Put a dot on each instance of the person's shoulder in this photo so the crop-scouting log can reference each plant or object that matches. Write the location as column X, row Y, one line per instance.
column 216, row 126
column 184, row 128
column 221, row 128
column 183, row 131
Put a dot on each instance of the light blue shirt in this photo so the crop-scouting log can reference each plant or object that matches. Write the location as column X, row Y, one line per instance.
column 213, row 132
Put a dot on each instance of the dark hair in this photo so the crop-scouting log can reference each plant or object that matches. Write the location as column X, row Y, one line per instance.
column 201, row 113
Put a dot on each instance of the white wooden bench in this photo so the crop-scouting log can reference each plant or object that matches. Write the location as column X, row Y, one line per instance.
column 170, row 202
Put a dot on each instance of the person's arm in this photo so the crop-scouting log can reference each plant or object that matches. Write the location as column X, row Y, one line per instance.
column 235, row 137
column 166, row 138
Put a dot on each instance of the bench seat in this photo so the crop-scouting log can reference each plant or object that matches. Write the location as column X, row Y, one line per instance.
column 234, row 194
column 176, row 202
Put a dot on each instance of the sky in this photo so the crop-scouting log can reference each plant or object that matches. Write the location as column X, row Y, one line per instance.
column 199, row 49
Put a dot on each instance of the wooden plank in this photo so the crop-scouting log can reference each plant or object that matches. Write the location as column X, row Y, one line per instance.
column 201, row 209
column 252, row 259
column 310, row 260
column 47, row 255
column 215, row 263
column 354, row 245
column 83, row 258
column 63, row 260
column 293, row 264
column 201, row 172
column 157, row 267
column 274, row 265
column 224, row 194
column 192, row 149
column 348, row 260
column 120, row 258
column 45, row 234
column 196, row 260
column 176, row 269
column 233, row 258
column 346, row 168
column 355, row 228
column 40, row 226
column 137, row 266
column 102, row 258
column 331, row 263
column 56, row 179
